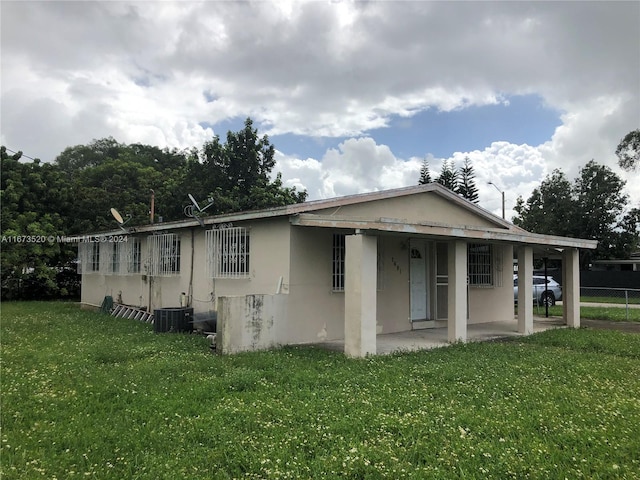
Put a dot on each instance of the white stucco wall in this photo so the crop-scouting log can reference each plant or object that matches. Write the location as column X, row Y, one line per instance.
column 248, row 323
column 494, row 303
column 393, row 303
column 427, row 206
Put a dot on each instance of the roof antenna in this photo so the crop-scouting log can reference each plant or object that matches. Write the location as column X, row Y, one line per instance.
column 189, row 209
column 121, row 222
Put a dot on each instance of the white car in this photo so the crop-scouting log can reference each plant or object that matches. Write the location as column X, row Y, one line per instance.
column 544, row 294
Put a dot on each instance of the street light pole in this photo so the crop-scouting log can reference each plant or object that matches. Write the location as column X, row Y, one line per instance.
column 496, row 187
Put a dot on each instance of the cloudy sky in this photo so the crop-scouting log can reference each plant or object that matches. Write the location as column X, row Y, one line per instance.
column 354, row 95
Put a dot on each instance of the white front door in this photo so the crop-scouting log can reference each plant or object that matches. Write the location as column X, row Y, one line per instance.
column 418, row 280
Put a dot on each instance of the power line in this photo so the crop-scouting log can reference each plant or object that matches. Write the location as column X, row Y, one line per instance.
column 24, row 155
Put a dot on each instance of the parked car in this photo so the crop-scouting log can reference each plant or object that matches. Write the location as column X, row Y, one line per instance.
column 544, row 294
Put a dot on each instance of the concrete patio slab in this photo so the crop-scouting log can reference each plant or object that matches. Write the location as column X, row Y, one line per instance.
column 428, row 338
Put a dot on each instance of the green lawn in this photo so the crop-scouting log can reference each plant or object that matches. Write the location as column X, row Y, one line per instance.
column 619, row 300
column 614, row 314
column 85, row 395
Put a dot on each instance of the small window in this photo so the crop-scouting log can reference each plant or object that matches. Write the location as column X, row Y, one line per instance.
column 480, row 265
column 94, row 261
column 228, row 252
column 88, row 257
column 338, row 262
column 134, row 255
column 164, row 255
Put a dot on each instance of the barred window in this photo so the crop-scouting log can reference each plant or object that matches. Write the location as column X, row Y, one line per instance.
column 133, row 255
column 94, row 261
column 228, row 252
column 111, row 257
column 339, row 249
column 88, row 257
column 164, row 255
column 338, row 262
column 480, row 264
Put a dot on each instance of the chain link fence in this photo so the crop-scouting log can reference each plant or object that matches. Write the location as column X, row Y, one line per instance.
column 610, row 297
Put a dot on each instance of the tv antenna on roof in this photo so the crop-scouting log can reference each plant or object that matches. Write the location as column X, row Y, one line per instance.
column 121, row 222
column 191, row 213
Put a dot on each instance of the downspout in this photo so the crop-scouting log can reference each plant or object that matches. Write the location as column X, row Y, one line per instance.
column 150, row 292
column 189, row 301
column 153, row 204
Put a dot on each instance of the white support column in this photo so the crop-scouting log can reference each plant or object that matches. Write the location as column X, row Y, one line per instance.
column 525, row 290
column 457, row 292
column 571, row 287
column 361, row 253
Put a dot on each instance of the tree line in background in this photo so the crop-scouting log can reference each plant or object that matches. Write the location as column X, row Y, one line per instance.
column 74, row 195
column 593, row 206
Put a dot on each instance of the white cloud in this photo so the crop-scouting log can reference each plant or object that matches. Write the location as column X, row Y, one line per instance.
column 360, row 165
column 156, row 72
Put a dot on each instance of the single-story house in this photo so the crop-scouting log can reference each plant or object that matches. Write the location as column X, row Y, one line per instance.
column 347, row 268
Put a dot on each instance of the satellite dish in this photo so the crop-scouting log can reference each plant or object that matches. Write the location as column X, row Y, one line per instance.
column 117, row 216
column 195, row 203
column 119, row 219
column 191, row 213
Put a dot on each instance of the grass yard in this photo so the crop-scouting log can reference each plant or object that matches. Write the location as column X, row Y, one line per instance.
column 633, row 300
column 614, row 314
column 85, row 395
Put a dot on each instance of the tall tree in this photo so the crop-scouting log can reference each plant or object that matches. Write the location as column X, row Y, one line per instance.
column 592, row 207
column 550, row 208
column 425, row 174
column 448, row 175
column 600, row 200
column 628, row 151
column 466, row 184
column 106, row 174
column 236, row 175
column 31, row 194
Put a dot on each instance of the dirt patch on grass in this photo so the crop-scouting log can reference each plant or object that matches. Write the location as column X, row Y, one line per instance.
column 629, row 327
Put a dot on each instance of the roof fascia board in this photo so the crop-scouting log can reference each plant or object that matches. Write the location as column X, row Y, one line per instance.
column 442, row 230
column 314, row 205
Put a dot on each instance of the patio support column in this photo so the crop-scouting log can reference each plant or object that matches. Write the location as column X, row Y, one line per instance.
column 457, row 292
column 525, row 290
column 361, row 253
column 571, row 287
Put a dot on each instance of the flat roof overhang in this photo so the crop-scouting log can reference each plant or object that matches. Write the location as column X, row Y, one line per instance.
column 437, row 230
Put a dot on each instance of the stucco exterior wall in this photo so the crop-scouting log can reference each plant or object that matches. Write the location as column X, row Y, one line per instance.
column 269, row 259
column 131, row 289
column 495, row 303
column 422, row 207
column 136, row 289
column 248, row 322
column 314, row 311
column 393, row 304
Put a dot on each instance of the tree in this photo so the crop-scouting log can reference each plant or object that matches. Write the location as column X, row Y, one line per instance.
column 466, row 185
column 448, row 176
column 236, row 175
column 628, row 151
column 106, row 174
column 600, row 202
column 550, row 208
column 425, row 174
column 31, row 194
column 592, row 207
